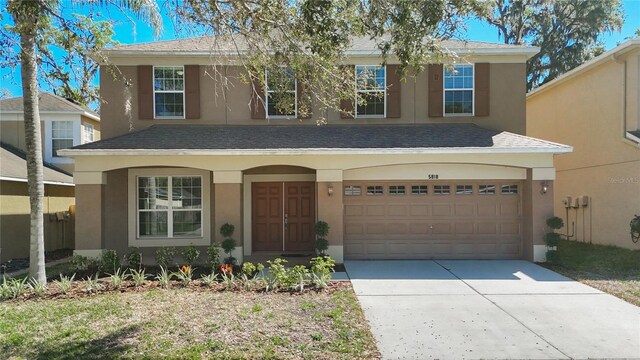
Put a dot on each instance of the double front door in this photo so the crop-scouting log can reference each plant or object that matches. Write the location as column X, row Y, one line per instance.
column 283, row 216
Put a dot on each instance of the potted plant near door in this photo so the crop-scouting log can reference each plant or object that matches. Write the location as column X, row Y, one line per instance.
column 228, row 244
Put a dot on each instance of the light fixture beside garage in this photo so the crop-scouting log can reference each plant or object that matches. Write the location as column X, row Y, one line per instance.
column 330, row 189
column 544, row 188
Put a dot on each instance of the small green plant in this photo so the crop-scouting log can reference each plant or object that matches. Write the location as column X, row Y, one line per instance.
column 93, row 284
column 164, row 277
column 228, row 278
column 13, row 288
column 190, row 254
column 109, row 262
column 37, row 287
column 321, row 269
column 213, row 255
column 165, row 256
column 228, row 244
column 133, row 258
column 322, row 231
column 117, row 278
column 184, row 275
column 552, row 239
column 80, row 263
column 210, row 279
column 250, row 274
column 277, row 274
column 555, row 223
column 65, row 283
column 298, row 276
column 138, row 276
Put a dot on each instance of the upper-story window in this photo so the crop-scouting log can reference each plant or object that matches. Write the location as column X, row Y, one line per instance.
column 61, row 136
column 87, row 133
column 458, row 90
column 371, row 86
column 282, row 98
column 168, row 91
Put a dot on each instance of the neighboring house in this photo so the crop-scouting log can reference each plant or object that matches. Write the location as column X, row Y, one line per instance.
column 64, row 124
column 15, row 210
column 596, row 109
column 440, row 168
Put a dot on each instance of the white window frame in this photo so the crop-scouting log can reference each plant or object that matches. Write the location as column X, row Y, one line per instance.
column 72, row 138
column 151, row 241
column 184, row 85
column 473, row 93
column 85, row 128
column 384, row 91
column 266, row 97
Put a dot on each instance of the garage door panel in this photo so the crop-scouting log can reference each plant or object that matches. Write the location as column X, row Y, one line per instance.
column 453, row 226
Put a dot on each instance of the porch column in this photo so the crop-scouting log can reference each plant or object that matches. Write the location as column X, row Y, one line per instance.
column 537, row 208
column 89, row 193
column 227, row 188
column 330, row 210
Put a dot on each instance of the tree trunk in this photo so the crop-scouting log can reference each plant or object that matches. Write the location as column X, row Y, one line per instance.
column 29, row 71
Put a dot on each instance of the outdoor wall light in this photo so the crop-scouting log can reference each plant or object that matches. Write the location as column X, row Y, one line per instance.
column 330, row 189
column 544, row 188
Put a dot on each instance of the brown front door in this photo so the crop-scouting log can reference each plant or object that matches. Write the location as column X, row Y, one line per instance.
column 283, row 215
column 267, row 216
column 299, row 216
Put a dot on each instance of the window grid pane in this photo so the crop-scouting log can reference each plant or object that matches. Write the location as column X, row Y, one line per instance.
column 352, row 190
column 509, row 189
column 168, row 86
column 375, row 190
column 441, row 189
column 464, row 189
column 396, row 190
column 281, row 92
column 371, row 89
column 487, row 189
column 458, row 85
column 419, row 189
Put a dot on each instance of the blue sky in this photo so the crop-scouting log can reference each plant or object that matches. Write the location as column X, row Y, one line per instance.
column 128, row 32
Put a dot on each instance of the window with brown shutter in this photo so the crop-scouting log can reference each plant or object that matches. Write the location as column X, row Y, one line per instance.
column 482, row 80
column 192, row 91
column 393, row 92
column 435, row 100
column 145, row 92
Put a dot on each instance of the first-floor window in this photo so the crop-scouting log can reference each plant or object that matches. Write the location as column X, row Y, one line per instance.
column 169, row 206
column 61, row 136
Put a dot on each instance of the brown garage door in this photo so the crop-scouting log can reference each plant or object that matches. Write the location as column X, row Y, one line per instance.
column 433, row 220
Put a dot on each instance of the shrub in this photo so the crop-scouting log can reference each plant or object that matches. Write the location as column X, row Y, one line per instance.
column 555, row 223
column 185, row 275
column 109, row 262
column 552, row 239
column 13, row 288
column 190, row 255
column 321, row 269
column 80, row 263
column 227, row 230
column 164, row 277
column 133, row 258
column 208, row 280
column 553, row 257
column 93, row 284
column 249, row 274
column 322, row 230
column 138, row 276
column 213, row 255
column 37, row 287
column 164, row 256
column 297, row 276
column 65, row 283
column 228, row 244
column 117, row 278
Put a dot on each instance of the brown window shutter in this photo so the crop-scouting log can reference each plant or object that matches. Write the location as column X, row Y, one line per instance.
column 192, row 91
column 145, row 92
column 393, row 92
column 481, row 84
column 346, row 105
column 258, row 110
column 436, row 91
column 303, row 100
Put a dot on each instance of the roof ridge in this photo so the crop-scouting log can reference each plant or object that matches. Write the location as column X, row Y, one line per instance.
column 23, row 155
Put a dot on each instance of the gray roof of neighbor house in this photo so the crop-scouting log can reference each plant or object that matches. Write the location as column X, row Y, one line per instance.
column 48, row 103
column 229, row 45
column 635, row 133
column 265, row 139
column 13, row 167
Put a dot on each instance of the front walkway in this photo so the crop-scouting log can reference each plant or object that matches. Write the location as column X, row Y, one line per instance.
column 490, row 310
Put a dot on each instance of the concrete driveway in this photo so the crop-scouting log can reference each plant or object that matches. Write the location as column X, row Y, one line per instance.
column 459, row 309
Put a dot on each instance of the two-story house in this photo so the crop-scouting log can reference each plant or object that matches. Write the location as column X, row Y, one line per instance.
column 434, row 167
column 64, row 124
column 595, row 108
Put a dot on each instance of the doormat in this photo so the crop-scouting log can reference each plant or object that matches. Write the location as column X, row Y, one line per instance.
column 295, row 255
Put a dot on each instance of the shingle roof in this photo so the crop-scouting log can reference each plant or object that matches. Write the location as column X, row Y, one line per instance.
column 635, row 133
column 13, row 164
column 337, row 137
column 238, row 43
column 47, row 102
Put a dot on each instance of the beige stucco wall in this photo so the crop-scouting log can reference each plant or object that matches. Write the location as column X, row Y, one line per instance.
column 230, row 104
column 12, row 133
column 15, row 219
column 586, row 112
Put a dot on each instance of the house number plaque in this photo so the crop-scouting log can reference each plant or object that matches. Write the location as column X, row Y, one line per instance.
column 433, row 176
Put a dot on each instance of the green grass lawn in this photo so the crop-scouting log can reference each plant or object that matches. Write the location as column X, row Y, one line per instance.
column 186, row 323
column 609, row 268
